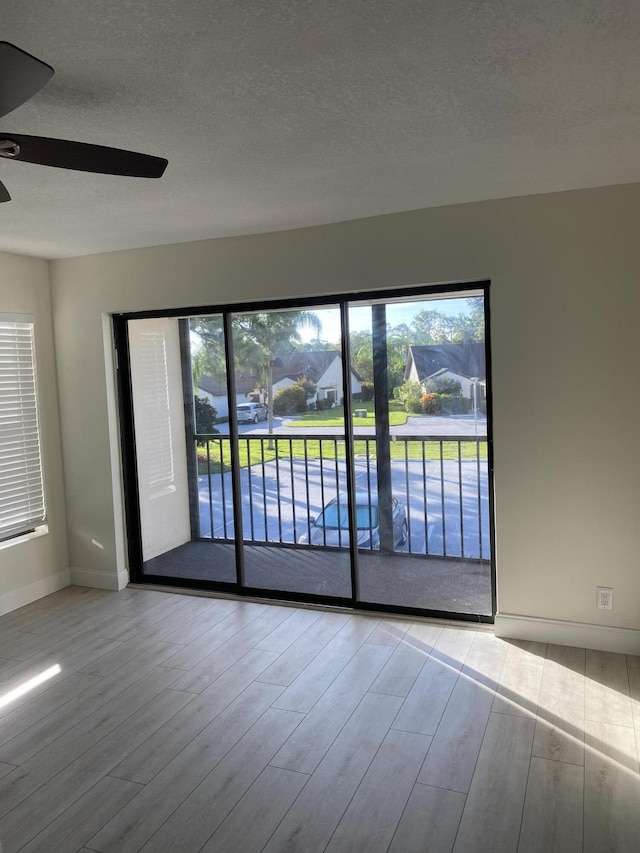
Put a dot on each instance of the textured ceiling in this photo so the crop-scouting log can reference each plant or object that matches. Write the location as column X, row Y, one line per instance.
column 277, row 114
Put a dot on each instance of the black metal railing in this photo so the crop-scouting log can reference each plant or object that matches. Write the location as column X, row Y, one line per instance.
column 441, row 483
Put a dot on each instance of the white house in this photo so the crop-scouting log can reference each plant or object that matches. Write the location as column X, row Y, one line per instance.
column 467, row 383
column 322, row 367
column 214, row 389
column 462, row 362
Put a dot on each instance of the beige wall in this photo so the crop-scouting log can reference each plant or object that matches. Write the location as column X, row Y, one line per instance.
column 33, row 568
column 564, row 309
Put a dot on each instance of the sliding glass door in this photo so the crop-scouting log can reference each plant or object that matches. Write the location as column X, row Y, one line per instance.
column 182, row 457
column 332, row 451
column 292, row 468
column 422, row 467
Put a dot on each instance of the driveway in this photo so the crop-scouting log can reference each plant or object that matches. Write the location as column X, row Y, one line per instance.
column 436, row 425
column 448, row 509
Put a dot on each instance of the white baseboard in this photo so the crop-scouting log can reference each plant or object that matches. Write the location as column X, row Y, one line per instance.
column 16, row 598
column 602, row 637
column 99, row 580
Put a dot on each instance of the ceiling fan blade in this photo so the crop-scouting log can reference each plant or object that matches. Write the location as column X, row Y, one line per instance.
column 21, row 76
column 4, row 193
column 80, row 156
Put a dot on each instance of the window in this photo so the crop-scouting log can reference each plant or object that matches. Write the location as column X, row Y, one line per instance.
column 21, row 493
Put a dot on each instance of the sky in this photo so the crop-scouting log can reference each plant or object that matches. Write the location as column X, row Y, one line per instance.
column 360, row 316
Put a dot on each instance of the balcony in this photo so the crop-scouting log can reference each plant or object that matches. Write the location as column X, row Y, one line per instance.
column 442, row 483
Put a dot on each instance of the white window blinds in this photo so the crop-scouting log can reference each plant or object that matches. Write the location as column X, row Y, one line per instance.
column 21, row 491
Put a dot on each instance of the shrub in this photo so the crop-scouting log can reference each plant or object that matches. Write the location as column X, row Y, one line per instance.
column 205, row 417
column 430, row 404
column 452, row 405
column 367, row 391
column 410, row 395
column 310, row 387
column 290, row 401
column 445, row 385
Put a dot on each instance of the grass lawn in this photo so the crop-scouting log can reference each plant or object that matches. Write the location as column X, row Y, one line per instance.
column 335, row 417
column 254, row 451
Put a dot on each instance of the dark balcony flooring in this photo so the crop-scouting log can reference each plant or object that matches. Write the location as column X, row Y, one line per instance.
column 398, row 580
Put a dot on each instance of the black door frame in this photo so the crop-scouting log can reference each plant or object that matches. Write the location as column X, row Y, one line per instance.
column 341, row 300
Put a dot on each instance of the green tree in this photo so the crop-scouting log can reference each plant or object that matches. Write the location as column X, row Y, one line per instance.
column 430, row 327
column 309, row 387
column 361, row 349
column 207, row 348
column 259, row 337
column 410, row 394
column 399, row 338
column 315, row 345
column 436, row 327
column 205, row 418
column 291, row 400
column 367, row 391
column 476, row 317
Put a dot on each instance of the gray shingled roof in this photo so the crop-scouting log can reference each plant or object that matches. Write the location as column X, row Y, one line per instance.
column 217, row 386
column 294, row 365
column 465, row 359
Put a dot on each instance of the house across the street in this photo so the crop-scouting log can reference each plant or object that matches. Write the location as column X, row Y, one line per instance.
column 322, row 367
column 462, row 362
column 214, row 389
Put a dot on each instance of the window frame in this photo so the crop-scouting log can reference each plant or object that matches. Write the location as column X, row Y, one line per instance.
column 416, row 292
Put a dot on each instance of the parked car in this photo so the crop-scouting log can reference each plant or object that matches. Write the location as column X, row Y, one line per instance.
column 251, row 413
column 331, row 527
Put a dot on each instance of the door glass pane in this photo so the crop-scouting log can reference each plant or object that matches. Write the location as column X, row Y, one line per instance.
column 181, row 455
column 213, row 513
column 421, row 466
column 289, row 405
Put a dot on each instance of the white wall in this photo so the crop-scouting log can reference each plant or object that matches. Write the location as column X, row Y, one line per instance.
column 332, row 379
column 565, row 304
column 286, row 382
column 33, row 568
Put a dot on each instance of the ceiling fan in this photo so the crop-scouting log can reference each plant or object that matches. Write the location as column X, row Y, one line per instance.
column 21, row 76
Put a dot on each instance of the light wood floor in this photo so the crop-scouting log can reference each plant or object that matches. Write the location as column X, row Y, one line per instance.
column 182, row 723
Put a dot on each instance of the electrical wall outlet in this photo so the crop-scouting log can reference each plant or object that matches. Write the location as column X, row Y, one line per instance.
column 604, row 598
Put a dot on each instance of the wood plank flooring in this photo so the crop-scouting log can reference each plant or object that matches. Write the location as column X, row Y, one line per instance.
column 185, row 724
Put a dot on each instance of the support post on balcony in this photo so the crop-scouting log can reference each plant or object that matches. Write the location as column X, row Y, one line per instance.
column 383, row 442
column 348, row 452
column 190, row 427
column 233, row 449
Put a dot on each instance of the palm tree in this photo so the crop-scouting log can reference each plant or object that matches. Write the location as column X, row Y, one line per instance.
column 207, row 347
column 258, row 339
